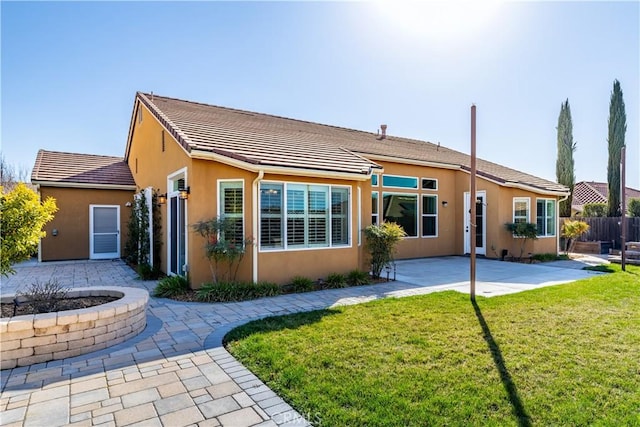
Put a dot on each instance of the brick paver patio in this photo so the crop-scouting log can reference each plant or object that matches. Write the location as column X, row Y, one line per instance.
column 176, row 372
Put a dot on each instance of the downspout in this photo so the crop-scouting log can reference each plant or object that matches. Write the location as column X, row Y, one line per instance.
column 558, row 248
column 254, row 225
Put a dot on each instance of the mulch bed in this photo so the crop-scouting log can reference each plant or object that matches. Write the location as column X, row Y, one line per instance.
column 63, row 305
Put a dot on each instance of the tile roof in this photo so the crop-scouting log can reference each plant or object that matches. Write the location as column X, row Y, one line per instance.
column 262, row 139
column 61, row 169
column 595, row 192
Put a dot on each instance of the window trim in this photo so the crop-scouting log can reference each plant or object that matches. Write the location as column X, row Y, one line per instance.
column 390, row 193
column 221, row 203
column 555, row 224
column 416, row 188
column 285, row 247
column 513, row 205
column 429, row 189
column 423, row 215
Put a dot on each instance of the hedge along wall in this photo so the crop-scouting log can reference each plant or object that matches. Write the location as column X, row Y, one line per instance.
column 38, row 338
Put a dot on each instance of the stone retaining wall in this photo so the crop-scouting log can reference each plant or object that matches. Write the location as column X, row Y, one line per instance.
column 38, row 338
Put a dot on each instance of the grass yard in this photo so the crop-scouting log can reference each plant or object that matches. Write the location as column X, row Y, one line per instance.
column 561, row 355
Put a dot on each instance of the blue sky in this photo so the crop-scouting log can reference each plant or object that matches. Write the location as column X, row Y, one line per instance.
column 70, row 71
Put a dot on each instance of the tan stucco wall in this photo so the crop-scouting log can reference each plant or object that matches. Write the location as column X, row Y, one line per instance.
column 72, row 220
column 150, row 165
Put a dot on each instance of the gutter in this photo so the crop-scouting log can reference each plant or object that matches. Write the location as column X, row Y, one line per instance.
column 62, row 184
column 254, row 225
column 205, row 155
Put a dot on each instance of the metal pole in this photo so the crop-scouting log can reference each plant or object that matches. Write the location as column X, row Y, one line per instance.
column 472, row 210
column 623, row 220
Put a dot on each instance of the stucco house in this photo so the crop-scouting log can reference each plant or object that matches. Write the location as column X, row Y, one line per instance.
column 92, row 193
column 304, row 191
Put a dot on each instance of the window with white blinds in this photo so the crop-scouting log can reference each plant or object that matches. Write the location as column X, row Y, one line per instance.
column 232, row 208
column 315, row 216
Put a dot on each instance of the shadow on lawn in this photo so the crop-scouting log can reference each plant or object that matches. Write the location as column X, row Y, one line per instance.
column 518, row 408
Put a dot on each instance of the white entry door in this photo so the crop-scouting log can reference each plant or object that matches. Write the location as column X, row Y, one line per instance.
column 480, row 223
column 104, row 231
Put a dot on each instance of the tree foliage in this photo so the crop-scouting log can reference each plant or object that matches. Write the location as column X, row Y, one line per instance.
column 382, row 241
column 617, row 130
column 22, row 217
column 565, row 163
column 592, row 210
column 633, row 208
column 571, row 230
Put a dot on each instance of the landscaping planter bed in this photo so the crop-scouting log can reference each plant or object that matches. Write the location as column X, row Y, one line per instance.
column 37, row 338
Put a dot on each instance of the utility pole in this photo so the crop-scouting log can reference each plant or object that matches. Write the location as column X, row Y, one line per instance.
column 472, row 210
column 623, row 208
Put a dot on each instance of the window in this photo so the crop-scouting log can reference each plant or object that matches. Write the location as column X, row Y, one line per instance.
column 403, row 210
column 429, row 184
column 315, row 216
column 339, row 216
column 163, row 140
column 271, row 216
column 374, row 180
column 374, row 208
column 546, row 217
column 394, row 181
column 520, row 209
column 231, row 207
column 429, row 216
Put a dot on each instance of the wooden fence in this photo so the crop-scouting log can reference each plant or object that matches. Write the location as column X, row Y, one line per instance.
column 609, row 230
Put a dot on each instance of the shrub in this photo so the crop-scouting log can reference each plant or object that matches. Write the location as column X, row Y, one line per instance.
column 44, row 296
column 22, row 217
column 595, row 210
column 222, row 246
column 171, row 286
column 335, row 280
column 546, row 257
column 523, row 230
column 358, row 278
column 236, row 291
column 633, row 209
column 382, row 241
column 301, row 284
column 146, row 272
column 571, row 230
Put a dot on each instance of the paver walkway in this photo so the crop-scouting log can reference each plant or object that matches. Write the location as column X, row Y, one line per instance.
column 176, row 373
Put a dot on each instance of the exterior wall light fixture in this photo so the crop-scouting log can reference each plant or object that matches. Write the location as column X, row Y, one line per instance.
column 445, row 203
column 184, row 193
column 162, row 199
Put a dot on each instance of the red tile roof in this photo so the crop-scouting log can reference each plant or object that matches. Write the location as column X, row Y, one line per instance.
column 262, row 139
column 585, row 192
column 65, row 169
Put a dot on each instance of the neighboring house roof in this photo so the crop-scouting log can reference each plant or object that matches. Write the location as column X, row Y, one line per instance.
column 256, row 140
column 585, row 192
column 59, row 169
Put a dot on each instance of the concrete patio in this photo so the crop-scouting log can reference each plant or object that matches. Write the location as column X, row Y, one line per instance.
column 176, row 373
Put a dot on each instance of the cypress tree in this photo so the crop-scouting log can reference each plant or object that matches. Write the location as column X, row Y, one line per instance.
column 617, row 129
column 564, row 162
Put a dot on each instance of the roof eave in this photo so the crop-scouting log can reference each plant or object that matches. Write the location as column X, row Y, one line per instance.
column 278, row 170
column 85, row 185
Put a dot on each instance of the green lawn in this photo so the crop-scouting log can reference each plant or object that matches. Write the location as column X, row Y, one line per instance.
column 562, row 355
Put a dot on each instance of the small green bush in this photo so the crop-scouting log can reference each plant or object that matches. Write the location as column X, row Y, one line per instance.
column 171, row 286
column 358, row 278
column 301, row 284
column 236, row 291
column 335, row 280
column 549, row 257
column 146, row 272
column 633, row 208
